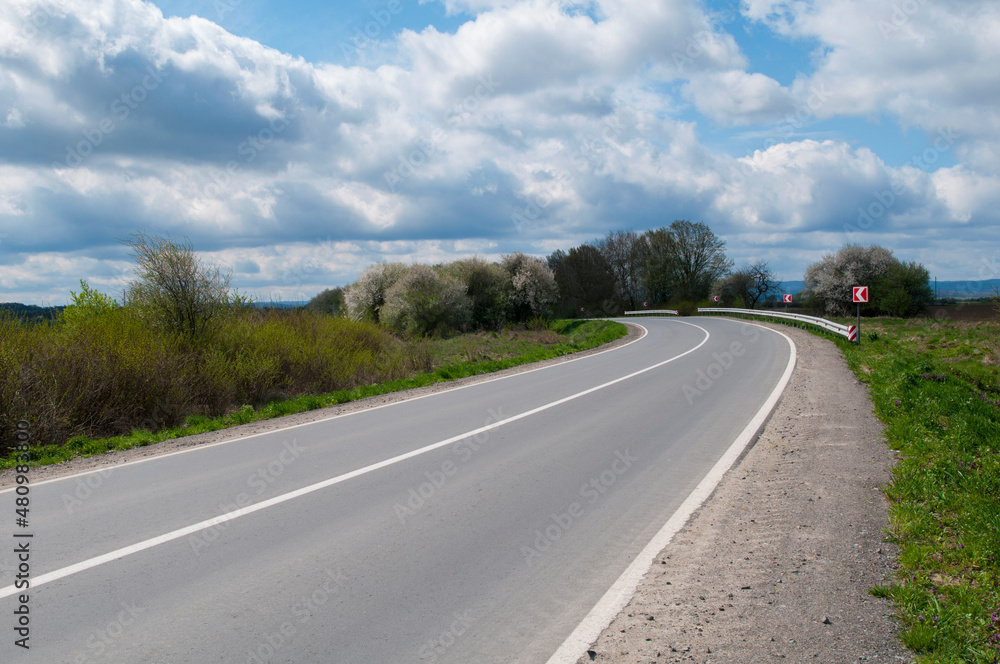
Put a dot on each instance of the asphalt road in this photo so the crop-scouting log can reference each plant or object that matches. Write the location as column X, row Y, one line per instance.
column 479, row 524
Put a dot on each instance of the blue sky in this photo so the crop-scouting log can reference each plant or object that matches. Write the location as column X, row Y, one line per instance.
column 335, row 32
column 294, row 153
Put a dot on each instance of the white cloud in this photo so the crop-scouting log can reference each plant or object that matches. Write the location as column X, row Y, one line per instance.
column 926, row 63
column 738, row 97
column 567, row 116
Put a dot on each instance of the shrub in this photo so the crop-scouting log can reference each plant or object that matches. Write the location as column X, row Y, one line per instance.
column 175, row 290
column 365, row 297
column 489, row 288
column 687, row 308
column 108, row 374
column 534, row 290
column 424, row 302
column 330, row 302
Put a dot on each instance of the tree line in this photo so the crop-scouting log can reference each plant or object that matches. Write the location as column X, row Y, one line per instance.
column 471, row 293
column 681, row 266
column 677, row 265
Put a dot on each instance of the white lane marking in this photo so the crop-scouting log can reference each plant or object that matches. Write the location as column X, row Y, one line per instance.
column 198, row 448
column 250, row 509
column 622, row 590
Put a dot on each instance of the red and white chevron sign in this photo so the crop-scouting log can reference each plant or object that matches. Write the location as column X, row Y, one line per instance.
column 852, row 333
column 788, row 297
column 861, row 293
column 715, row 298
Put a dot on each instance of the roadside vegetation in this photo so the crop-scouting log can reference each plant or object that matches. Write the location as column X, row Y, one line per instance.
column 936, row 385
column 184, row 353
column 898, row 288
column 308, row 362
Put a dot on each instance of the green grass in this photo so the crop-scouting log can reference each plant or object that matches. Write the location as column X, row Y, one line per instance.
column 935, row 386
column 483, row 353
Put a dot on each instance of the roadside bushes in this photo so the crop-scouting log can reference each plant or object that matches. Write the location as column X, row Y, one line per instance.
column 488, row 287
column 533, row 286
column 110, row 373
column 423, row 301
column 366, row 296
column 472, row 293
column 97, row 373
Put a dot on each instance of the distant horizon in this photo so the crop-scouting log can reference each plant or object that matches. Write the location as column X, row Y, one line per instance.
column 796, row 287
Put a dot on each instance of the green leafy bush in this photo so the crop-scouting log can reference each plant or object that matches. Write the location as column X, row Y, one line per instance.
column 109, row 372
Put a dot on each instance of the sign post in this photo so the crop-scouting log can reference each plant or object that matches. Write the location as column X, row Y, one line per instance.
column 788, row 300
column 860, row 295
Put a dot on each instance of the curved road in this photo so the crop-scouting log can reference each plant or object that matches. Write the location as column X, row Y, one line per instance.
column 479, row 524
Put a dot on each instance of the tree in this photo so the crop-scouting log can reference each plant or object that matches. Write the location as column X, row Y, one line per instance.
column 897, row 289
column 830, row 279
column 489, row 288
column 585, row 281
column 365, row 297
column 87, row 304
column 330, row 301
column 423, row 302
column 698, row 260
column 733, row 288
column 534, row 291
column 625, row 253
column 175, row 289
column 904, row 290
column 748, row 285
column 657, row 276
column 555, row 259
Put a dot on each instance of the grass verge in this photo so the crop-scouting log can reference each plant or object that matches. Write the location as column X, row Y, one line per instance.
column 935, row 386
column 484, row 353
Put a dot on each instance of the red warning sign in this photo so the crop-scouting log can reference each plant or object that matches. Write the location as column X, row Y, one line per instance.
column 861, row 293
column 788, row 297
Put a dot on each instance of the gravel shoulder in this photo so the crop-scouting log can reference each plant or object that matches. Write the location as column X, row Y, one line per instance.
column 111, row 459
column 776, row 566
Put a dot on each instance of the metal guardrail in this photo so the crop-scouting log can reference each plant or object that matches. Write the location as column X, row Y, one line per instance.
column 672, row 312
column 836, row 328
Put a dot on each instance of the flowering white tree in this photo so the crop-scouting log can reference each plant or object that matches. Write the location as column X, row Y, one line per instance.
column 423, row 301
column 534, row 285
column 830, row 280
column 365, row 297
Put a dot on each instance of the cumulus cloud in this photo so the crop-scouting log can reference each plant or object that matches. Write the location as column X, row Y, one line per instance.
column 923, row 62
column 535, row 125
column 738, row 97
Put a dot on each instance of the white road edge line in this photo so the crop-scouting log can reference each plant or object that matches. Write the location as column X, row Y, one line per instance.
column 621, row 592
column 250, row 509
column 198, row 448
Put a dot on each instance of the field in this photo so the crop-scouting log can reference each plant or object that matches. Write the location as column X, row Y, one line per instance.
column 934, row 383
column 971, row 311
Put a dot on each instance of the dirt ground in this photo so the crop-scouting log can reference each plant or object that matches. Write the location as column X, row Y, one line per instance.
column 963, row 311
column 777, row 565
